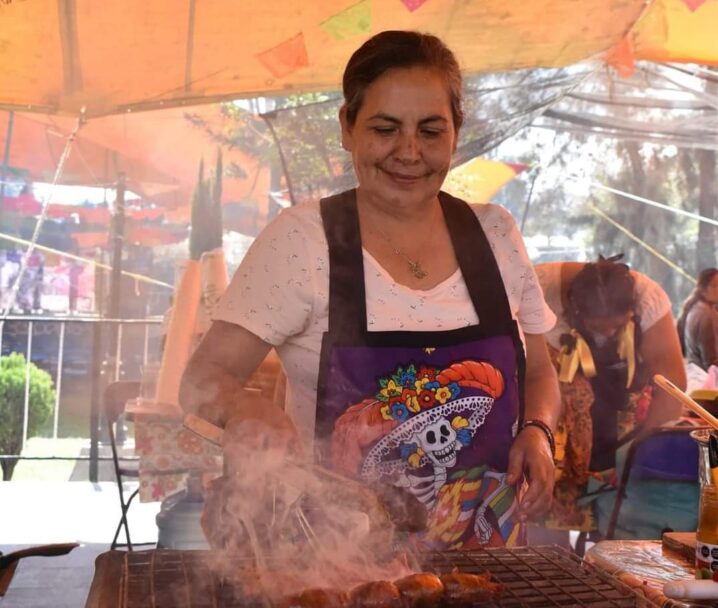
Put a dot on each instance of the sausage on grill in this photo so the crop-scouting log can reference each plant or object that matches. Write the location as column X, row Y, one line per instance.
column 317, row 598
column 462, row 589
column 375, row 594
column 422, row 590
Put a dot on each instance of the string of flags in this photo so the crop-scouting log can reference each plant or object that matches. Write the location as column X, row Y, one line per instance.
column 356, row 20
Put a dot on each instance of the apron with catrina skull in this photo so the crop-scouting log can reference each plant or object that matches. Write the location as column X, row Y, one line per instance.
column 434, row 412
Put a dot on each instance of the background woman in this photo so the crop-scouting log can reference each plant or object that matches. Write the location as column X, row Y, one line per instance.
column 404, row 318
column 698, row 321
column 615, row 331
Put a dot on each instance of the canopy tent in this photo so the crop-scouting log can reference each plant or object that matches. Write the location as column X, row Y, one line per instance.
column 37, row 143
column 158, row 151
column 666, row 104
column 60, row 56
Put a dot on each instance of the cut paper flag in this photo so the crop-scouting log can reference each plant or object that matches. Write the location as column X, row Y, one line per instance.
column 621, row 58
column 412, row 5
column 350, row 22
column 286, row 57
column 694, row 5
column 677, row 30
column 478, row 180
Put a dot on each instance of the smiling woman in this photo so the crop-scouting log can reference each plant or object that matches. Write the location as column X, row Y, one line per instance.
column 409, row 323
column 401, row 142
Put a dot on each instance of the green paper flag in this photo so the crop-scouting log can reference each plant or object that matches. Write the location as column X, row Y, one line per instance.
column 350, row 22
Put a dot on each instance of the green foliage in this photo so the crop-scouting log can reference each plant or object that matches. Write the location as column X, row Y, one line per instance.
column 308, row 120
column 12, row 400
column 561, row 205
column 206, row 231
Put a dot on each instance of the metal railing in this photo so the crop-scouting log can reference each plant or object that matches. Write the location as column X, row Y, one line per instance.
column 82, row 354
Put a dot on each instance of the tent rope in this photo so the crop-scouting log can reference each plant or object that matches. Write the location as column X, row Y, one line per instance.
column 647, row 201
column 71, row 256
column 641, row 242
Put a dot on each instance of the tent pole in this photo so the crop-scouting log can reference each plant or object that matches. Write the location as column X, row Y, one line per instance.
column 6, row 154
column 118, row 238
column 114, row 304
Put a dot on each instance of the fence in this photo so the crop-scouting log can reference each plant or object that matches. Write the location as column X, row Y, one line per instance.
column 82, row 354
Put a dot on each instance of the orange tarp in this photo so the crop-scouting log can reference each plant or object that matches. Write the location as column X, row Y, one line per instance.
column 59, row 56
column 159, row 151
column 38, row 142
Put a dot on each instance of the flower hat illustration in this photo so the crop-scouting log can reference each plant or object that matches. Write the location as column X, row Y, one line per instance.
column 418, row 417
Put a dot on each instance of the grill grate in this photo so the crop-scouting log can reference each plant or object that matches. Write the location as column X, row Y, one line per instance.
column 540, row 577
column 534, row 577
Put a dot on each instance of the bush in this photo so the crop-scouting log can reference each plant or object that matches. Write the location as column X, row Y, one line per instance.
column 12, row 403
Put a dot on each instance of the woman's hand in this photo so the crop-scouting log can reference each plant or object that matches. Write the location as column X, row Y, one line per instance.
column 259, row 436
column 530, row 454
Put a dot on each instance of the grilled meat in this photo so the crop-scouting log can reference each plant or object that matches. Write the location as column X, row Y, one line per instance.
column 462, row 589
column 323, row 598
column 375, row 594
column 407, row 513
column 422, row 590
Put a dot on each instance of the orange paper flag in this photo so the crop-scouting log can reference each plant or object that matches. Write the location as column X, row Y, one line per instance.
column 286, row 57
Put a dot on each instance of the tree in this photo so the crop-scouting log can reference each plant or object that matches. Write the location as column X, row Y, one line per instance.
column 206, row 231
column 12, row 399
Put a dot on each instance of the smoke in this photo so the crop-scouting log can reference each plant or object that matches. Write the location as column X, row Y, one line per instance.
column 299, row 525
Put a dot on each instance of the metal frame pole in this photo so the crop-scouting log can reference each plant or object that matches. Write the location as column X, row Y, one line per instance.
column 58, row 381
column 26, row 408
column 6, row 154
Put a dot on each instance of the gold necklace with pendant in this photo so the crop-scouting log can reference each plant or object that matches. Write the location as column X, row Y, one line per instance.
column 415, row 266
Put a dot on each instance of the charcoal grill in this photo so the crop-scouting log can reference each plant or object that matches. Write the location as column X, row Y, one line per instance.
column 534, row 577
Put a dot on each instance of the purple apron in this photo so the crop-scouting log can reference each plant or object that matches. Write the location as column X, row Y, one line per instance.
column 433, row 412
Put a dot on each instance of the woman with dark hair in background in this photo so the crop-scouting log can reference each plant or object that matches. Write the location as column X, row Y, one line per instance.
column 615, row 330
column 698, row 321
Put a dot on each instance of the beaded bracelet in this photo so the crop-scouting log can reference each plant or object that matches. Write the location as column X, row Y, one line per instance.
column 547, row 431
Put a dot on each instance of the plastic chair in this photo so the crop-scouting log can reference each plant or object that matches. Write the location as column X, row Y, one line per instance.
column 667, row 454
column 116, row 396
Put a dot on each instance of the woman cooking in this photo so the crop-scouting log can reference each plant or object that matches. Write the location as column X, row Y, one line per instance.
column 615, row 331
column 409, row 324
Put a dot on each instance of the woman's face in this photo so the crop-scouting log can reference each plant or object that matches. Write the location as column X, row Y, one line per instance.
column 403, row 137
column 606, row 327
column 710, row 292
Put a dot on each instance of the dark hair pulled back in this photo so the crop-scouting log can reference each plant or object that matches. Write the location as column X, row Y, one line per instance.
column 601, row 289
column 704, row 278
column 400, row 49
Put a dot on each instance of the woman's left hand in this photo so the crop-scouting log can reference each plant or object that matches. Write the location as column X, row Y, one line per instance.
column 530, row 454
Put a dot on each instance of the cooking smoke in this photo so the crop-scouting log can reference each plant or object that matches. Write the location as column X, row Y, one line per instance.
column 299, row 524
